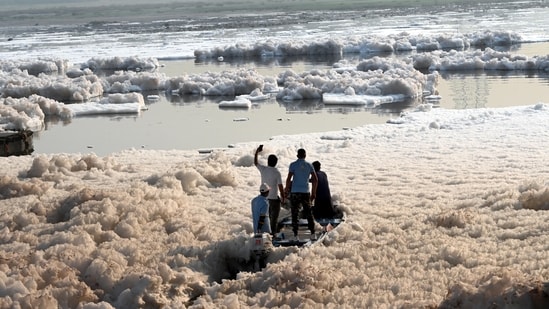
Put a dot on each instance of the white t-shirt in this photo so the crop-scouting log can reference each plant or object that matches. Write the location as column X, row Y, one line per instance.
column 271, row 176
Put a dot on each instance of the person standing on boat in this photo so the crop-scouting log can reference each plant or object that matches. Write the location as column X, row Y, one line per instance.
column 297, row 188
column 260, row 211
column 323, row 207
column 272, row 177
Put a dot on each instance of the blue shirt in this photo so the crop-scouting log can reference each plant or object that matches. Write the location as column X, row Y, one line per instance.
column 260, row 206
column 301, row 170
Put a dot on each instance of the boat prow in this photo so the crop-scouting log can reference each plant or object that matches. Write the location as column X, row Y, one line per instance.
column 304, row 238
column 262, row 244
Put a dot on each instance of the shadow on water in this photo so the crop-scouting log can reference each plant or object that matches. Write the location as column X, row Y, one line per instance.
column 314, row 106
column 306, row 106
column 324, row 60
column 492, row 88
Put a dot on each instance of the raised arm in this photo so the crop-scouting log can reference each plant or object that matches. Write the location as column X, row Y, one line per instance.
column 257, row 151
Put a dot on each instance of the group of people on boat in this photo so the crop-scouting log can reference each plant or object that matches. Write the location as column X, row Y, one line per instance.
column 306, row 189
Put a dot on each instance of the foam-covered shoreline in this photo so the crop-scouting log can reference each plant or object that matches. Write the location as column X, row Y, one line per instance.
column 444, row 208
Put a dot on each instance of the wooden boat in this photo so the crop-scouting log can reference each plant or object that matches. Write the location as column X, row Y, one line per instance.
column 261, row 244
column 285, row 237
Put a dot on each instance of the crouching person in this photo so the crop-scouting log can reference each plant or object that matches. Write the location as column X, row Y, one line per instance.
column 262, row 228
column 260, row 211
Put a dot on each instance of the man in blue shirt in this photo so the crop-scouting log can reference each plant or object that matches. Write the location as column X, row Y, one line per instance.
column 300, row 174
column 260, row 211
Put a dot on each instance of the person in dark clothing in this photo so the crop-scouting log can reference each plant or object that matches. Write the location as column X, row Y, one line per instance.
column 323, row 207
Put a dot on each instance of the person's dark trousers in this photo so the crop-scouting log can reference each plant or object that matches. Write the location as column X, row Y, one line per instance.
column 304, row 200
column 274, row 211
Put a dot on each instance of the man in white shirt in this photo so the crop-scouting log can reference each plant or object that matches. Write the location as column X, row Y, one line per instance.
column 272, row 177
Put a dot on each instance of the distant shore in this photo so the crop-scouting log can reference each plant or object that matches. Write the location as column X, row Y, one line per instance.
column 59, row 13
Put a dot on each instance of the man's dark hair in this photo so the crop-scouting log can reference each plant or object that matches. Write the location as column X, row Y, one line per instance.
column 272, row 160
column 316, row 165
column 301, row 153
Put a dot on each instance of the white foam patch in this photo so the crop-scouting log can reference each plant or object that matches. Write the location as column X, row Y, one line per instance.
column 436, row 216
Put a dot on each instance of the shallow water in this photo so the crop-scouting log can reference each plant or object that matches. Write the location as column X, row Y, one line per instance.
column 194, row 122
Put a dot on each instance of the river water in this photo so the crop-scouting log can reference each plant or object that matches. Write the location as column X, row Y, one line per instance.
column 193, row 122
